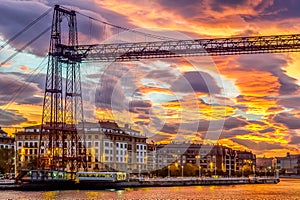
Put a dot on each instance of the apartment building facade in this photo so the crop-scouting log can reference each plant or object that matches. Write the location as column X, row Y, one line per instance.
column 108, row 147
column 206, row 159
column 288, row 165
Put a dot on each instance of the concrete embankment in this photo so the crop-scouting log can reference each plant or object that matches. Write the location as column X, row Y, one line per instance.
column 158, row 182
column 169, row 182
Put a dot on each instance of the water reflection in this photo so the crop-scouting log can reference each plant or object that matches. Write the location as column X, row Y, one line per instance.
column 288, row 189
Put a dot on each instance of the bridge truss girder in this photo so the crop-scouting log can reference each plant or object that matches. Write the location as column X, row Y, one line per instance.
column 121, row 52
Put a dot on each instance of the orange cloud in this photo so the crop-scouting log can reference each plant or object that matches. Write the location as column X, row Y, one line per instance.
column 24, row 68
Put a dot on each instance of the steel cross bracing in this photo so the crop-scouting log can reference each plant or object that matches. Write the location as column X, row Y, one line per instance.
column 60, row 147
column 120, row 52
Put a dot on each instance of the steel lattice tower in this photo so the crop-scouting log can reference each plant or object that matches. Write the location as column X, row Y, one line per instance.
column 60, row 147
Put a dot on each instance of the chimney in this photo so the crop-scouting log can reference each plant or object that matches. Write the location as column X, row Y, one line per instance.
column 127, row 127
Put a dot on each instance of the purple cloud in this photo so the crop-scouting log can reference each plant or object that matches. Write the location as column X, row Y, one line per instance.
column 194, row 81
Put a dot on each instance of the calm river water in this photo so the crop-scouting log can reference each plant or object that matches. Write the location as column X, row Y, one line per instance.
column 287, row 189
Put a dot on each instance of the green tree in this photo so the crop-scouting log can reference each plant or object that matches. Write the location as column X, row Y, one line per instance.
column 30, row 164
column 6, row 160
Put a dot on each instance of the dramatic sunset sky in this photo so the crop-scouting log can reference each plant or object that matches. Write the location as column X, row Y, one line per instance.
column 246, row 102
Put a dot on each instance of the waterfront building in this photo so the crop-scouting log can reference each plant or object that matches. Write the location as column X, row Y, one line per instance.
column 7, row 155
column 27, row 147
column 114, row 148
column 6, row 142
column 246, row 163
column 108, row 146
column 288, row 165
column 198, row 158
column 265, row 166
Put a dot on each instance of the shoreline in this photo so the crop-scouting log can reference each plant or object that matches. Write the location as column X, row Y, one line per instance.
column 291, row 177
column 165, row 182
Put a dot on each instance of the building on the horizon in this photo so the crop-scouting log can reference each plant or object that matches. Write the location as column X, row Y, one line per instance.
column 108, row 147
column 199, row 159
column 265, row 166
column 288, row 165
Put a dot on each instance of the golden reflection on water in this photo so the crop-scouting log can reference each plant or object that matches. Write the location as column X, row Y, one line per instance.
column 287, row 189
column 120, row 193
column 50, row 194
column 199, row 187
column 92, row 194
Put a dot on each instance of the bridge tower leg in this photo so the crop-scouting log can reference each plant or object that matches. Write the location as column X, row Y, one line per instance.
column 61, row 142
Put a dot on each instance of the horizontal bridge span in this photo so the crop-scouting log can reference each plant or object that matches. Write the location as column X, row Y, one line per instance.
column 120, row 52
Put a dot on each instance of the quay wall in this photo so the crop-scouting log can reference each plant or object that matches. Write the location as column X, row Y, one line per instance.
column 163, row 182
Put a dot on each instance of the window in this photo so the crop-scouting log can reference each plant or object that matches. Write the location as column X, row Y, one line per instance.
column 20, row 144
column 96, row 136
column 96, row 144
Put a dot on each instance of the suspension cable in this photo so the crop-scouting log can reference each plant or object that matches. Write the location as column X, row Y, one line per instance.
column 25, row 29
column 127, row 29
column 26, row 45
column 34, row 73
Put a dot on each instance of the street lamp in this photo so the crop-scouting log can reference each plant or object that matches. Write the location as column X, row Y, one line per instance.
column 199, row 171
column 265, row 172
column 198, row 162
column 182, row 170
column 168, row 170
column 242, row 170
